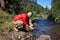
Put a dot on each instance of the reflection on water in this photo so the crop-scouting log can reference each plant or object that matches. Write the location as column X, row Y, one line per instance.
column 47, row 27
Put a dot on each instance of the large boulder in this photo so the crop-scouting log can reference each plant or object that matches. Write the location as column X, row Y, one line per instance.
column 22, row 36
column 17, row 36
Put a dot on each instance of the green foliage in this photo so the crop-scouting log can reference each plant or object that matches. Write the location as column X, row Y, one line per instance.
column 20, row 6
column 56, row 9
column 57, row 19
column 12, row 6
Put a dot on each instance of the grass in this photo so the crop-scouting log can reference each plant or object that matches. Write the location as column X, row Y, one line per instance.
column 5, row 20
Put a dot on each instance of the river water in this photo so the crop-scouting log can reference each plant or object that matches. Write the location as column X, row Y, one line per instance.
column 46, row 27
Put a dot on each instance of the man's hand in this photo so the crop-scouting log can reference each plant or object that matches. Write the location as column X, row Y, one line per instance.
column 31, row 27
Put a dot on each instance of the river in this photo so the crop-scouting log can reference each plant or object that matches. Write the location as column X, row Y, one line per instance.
column 46, row 27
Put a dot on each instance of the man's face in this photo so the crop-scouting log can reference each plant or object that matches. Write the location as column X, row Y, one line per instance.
column 29, row 14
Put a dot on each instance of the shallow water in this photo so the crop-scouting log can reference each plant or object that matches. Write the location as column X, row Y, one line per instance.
column 47, row 27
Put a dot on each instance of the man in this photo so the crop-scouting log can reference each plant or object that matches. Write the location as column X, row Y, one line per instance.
column 21, row 21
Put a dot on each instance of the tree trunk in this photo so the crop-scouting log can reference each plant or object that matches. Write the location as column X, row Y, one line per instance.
column 3, row 4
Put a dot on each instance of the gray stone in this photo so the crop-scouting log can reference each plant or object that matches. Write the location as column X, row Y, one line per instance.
column 45, row 37
column 22, row 36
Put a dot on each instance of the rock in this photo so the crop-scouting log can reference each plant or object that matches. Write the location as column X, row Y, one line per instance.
column 22, row 36
column 44, row 37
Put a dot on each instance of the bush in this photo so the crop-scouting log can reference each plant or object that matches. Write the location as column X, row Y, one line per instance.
column 57, row 19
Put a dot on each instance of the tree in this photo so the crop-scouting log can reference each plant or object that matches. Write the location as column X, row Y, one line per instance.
column 56, row 8
column 3, row 4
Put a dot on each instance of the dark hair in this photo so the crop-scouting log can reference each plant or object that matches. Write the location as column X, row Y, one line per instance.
column 28, row 11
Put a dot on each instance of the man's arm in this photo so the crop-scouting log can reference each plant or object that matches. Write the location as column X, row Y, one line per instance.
column 30, row 22
column 28, row 27
column 27, row 24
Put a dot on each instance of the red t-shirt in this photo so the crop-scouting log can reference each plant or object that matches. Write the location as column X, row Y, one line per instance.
column 23, row 17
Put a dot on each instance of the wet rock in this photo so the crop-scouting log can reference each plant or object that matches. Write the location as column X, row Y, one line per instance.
column 44, row 37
